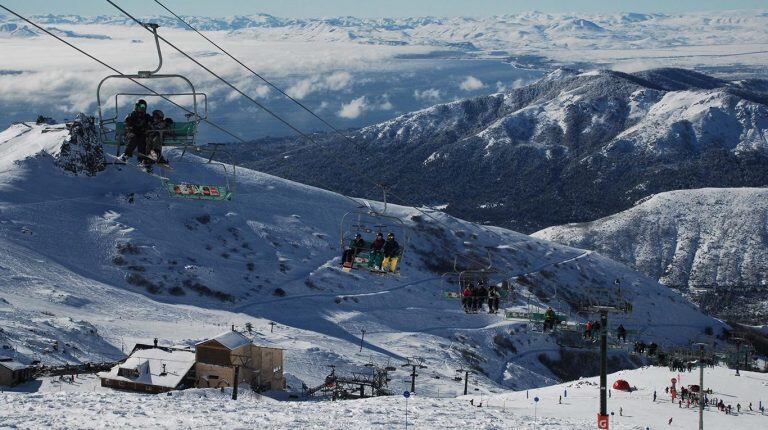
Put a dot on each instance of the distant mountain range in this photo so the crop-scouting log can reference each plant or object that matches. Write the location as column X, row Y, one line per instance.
column 521, row 32
column 711, row 243
column 571, row 147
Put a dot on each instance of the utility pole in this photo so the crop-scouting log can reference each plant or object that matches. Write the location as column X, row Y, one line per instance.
column 466, row 379
column 701, row 386
column 234, row 385
column 362, row 338
column 603, row 367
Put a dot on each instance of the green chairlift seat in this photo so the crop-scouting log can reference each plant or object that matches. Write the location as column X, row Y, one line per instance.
column 180, row 134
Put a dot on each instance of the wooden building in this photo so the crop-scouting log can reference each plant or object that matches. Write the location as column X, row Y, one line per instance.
column 12, row 372
column 153, row 369
column 259, row 366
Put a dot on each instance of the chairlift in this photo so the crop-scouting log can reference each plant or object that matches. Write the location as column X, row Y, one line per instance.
column 366, row 221
column 180, row 137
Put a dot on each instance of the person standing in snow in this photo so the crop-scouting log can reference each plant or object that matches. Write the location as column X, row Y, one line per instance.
column 376, row 255
column 654, row 395
column 136, row 127
column 391, row 254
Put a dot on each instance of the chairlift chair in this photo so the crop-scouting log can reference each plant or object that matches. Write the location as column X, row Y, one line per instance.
column 370, row 222
column 181, row 136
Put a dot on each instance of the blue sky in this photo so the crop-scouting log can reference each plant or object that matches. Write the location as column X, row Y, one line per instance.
column 375, row 8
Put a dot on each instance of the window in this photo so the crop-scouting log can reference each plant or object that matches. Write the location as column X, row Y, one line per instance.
column 213, row 376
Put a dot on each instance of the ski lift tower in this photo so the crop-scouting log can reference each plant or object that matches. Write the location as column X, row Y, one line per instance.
column 597, row 306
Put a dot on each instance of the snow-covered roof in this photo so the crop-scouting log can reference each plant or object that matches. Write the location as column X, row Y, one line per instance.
column 231, row 339
column 13, row 365
column 150, row 364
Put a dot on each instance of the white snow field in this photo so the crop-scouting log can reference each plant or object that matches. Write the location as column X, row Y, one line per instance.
column 85, row 405
column 115, row 253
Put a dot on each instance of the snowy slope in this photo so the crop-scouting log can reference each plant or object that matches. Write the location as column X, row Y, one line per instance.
column 144, row 266
column 570, row 147
column 712, row 238
column 77, row 407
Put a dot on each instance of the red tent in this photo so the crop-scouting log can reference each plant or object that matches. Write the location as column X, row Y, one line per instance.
column 621, row 385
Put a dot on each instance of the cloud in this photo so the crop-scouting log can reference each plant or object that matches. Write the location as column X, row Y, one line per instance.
column 471, row 83
column 431, row 94
column 336, row 81
column 353, row 109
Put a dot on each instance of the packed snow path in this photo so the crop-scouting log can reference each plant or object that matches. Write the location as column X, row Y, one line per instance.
column 86, row 406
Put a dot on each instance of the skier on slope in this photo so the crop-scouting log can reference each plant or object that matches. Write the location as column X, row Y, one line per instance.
column 376, row 255
column 391, row 254
column 136, row 127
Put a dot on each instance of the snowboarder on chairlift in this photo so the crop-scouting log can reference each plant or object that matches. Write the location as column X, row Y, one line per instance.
column 588, row 330
column 355, row 246
column 549, row 319
column 137, row 124
column 482, row 295
column 467, row 297
column 376, row 255
column 621, row 333
column 391, row 254
column 493, row 300
column 158, row 131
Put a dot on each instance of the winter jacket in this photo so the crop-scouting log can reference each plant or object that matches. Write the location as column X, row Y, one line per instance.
column 137, row 123
column 357, row 245
column 377, row 244
column 391, row 248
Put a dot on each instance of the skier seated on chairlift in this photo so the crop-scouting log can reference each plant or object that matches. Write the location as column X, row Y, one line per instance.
column 376, row 252
column 467, row 297
column 391, row 254
column 159, row 129
column 356, row 245
column 481, row 293
column 621, row 333
column 549, row 319
column 137, row 124
column 493, row 299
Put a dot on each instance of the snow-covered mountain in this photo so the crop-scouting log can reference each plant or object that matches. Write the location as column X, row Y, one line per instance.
column 570, row 147
column 111, row 249
column 710, row 242
column 523, row 32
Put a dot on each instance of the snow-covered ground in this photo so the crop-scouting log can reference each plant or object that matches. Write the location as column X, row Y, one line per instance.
column 85, row 405
column 147, row 266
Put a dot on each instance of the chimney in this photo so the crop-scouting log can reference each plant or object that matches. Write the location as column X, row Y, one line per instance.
column 155, row 342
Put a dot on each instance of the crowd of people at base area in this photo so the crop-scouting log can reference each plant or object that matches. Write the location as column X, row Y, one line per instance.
column 474, row 297
column 383, row 255
column 145, row 134
column 691, row 398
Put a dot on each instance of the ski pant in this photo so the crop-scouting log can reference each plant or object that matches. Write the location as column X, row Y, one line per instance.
column 348, row 256
column 467, row 303
column 389, row 264
column 155, row 143
column 134, row 142
column 375, row 259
